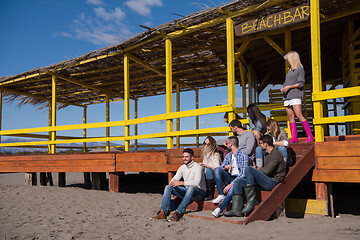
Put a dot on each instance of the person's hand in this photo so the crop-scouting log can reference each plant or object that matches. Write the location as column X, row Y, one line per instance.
column 203, row 165
column 285, row 89
column 226, row 189
column 227, row 167
column 175, row 183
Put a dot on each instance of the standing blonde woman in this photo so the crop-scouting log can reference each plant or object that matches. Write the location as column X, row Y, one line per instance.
column 211, row 160
column 293, row 90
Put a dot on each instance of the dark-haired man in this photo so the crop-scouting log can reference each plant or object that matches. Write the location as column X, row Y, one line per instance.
column 192, row 188
column 247, row 142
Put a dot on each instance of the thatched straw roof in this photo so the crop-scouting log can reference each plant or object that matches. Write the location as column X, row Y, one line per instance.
column 199, row 58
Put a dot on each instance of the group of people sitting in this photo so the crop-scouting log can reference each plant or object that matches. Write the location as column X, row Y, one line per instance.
column 246, row 161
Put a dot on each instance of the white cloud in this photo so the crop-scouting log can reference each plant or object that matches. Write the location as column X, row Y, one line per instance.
column 116, row 14
column 99, row 29
column 143, row 7
column 95, row 2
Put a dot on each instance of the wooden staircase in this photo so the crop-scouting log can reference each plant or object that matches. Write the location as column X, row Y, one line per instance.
column 304, row 156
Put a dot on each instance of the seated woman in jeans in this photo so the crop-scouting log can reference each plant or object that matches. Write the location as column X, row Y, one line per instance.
column 211, row 160
column 280, row 139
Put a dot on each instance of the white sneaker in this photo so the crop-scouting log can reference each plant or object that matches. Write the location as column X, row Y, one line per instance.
column 216, row 212
column 218, row 199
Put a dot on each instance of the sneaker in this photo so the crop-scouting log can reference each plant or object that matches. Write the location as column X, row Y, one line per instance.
column 160, row 215
column 175, row 217
column 218, row 199
column 216, row 212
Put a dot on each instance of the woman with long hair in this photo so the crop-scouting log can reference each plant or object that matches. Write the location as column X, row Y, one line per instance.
column 211, row 160
column 280, row 138
column 293, row 90
column 257, row 120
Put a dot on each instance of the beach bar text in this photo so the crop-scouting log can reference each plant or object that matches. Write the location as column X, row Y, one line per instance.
column 273, row 21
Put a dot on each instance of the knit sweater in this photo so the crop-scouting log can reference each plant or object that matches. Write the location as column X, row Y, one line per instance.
column 192, row 174
column 212, row 160
column 293, row 77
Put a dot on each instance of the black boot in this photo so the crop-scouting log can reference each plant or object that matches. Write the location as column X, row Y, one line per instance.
column 210, row 186
column 237, row 205
column 251, row 201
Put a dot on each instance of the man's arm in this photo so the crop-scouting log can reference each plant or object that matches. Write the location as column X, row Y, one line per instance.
column 242, row 161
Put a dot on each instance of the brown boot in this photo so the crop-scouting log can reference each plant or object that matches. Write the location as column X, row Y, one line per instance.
column 160, row 215
column 176, row 216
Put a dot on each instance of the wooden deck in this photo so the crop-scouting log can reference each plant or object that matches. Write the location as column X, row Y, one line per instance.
column 336, row 160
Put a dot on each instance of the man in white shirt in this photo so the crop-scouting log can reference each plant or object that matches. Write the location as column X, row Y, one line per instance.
column 192, row 188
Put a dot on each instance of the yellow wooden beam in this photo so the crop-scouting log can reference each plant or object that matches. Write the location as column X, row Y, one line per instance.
column 78, row 82
column 316, row 66
column 337, row 93
column 53, row 114
column 126, row 99
column 230, row 66
column 338, row 119
column 242, row 49
column 169, row 85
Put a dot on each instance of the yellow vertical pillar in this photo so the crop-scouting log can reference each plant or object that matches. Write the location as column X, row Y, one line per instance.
column 84, row 130
column 316, row 65
column 178, row 110
column 136, row 126
column 197, row 117
column 107, row 148
column 230, row 66
column 53, row 112
column 169, row 84
column 126, row 101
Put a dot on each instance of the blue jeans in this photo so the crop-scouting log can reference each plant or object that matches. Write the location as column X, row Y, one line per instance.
column 232, row 191
column 259, row 155
column 221, row 177
column 253, row 175
column 209, row 174
column 188, row 194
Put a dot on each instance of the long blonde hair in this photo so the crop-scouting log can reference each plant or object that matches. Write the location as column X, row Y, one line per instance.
column 274, row 127
column 293, row 59
column 209, row 149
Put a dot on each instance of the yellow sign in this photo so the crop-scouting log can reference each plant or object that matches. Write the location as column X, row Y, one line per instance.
column 273, row 21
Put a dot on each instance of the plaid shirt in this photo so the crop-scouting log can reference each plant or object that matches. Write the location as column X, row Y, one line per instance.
column 242, row 161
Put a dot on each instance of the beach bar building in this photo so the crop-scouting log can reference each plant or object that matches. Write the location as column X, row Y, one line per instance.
column 238, row 44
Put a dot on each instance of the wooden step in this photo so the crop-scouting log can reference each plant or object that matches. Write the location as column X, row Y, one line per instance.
column 275, row 197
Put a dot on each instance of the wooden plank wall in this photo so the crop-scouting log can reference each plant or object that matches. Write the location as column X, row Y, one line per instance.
column 144, row 161
column 74, row 162
column 337, row 161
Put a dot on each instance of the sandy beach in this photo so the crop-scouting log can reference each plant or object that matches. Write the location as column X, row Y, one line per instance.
column 74, row 212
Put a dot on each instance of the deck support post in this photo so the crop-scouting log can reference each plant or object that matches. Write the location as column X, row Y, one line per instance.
column 114, row 181
column 230, row 66
column 107, row 104
column 169, row 86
